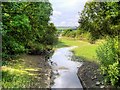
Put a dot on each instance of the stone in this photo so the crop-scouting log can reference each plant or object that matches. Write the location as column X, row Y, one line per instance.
column 102, row 82
column 46, row 75
column 102, row 86
column 95, row 77
column 97, row 83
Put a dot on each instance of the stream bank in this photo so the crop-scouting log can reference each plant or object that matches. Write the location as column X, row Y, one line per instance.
column 27, row 71
column 38, row 65
column 89, row 75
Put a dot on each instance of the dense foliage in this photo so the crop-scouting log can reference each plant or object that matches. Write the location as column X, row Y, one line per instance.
column 26, row 28
column 69, row 33
column 102, row 19
column 76, row 34
column 110, row 62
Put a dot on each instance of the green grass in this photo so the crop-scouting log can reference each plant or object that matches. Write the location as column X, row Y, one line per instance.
column 85, row 50
column 14, row 78
column 22, row 73
column 14, row 75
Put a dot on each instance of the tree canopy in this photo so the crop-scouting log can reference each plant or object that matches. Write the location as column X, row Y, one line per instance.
column 101, row 19
column 26, row 27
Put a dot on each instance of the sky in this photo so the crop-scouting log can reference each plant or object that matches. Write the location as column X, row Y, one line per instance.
column 66, row 12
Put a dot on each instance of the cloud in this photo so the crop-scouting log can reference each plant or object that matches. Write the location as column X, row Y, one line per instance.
column 63, row 23
column 53, row 18
column 57, row 13
column 67, row 3
column 65, row 12
column 77, row 16
column 68, row 23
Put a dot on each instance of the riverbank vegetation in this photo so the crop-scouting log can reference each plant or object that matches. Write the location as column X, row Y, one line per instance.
column 27, row 71
column 25, row 30
column 100, row 20
column 84, row 48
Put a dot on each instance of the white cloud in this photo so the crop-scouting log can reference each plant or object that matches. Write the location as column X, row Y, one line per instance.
column 63, row 23
column 77, row 16
column 57, row 13
column 53, row 18
column 68, row 3
column 68, row 23
column 65, row 12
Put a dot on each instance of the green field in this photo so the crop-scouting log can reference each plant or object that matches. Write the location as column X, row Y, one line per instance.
column 85, row 50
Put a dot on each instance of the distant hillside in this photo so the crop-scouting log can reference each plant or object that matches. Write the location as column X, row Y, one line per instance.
column 66, row 27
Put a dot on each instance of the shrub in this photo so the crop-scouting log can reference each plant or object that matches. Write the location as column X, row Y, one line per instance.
column 66, row 32
column 108, row 57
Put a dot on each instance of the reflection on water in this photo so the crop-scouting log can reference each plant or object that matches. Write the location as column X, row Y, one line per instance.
column 67, row 69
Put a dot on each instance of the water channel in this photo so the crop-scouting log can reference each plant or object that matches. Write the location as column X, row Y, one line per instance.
column 65, row 69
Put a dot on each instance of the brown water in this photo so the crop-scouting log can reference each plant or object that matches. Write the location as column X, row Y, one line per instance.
column 66, row 69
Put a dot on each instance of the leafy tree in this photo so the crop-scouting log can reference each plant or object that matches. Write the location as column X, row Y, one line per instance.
column 101, row 19
column 26, row 28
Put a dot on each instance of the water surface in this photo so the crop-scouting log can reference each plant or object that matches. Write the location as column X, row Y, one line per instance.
column 67, row 69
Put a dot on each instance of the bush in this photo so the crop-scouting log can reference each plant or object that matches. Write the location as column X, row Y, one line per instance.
column 83, row 36
column 70, row 33
column 110, row 66
column 66, row 32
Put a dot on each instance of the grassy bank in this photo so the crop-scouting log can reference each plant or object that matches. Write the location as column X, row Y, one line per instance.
column 85, row 50
column 28, row 71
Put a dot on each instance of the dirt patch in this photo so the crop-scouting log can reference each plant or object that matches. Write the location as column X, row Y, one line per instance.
column 37, row 65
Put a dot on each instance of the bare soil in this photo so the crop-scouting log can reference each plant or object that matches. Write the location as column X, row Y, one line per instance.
column 40, row 67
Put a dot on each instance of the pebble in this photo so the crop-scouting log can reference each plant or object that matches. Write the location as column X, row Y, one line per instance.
column 102, row 82
column 95, row 77
column 97, row 83
column 102, row 86
column 46, row 74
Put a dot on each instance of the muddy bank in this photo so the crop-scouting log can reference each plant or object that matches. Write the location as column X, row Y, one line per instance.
column 38, row 65
column 89, row 75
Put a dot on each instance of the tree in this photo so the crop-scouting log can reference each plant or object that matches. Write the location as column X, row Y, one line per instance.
column 101, row 19
column 25, row 27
